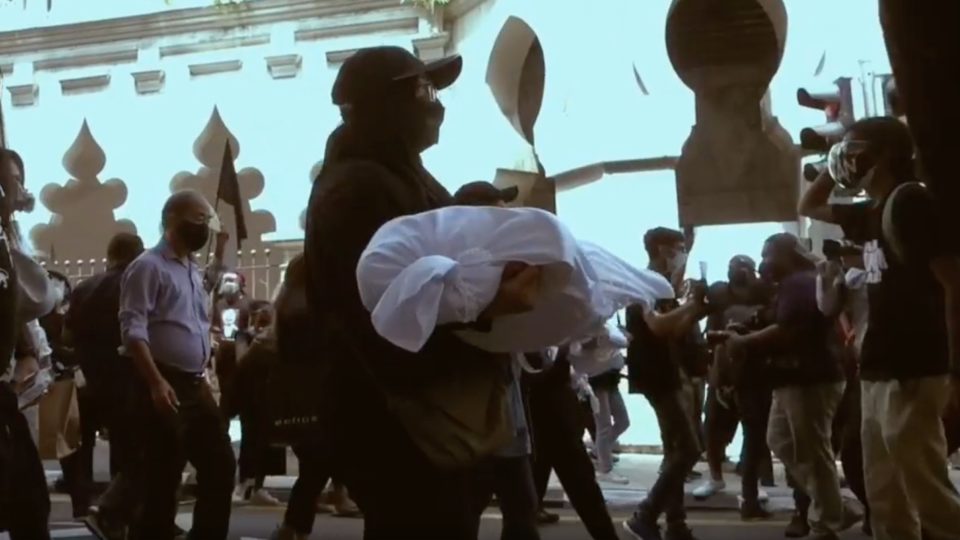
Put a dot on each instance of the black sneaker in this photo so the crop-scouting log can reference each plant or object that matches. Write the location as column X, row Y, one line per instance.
column 103, row 528
column 547, row 518
column 798, row 527
column 642, row 529
column 679, row 532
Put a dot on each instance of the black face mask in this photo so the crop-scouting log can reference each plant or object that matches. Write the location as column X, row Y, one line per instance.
column 193, row 235
column 423, row 121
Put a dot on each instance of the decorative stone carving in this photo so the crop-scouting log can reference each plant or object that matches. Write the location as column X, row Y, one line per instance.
column 83, row 221
column 149, row 82
column 284, row 66
column 211, row 68
column 208, row 149
column 84, row 85
column 24, row 95
column 738, row 165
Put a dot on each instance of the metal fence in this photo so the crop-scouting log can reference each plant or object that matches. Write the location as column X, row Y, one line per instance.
column 262, row 269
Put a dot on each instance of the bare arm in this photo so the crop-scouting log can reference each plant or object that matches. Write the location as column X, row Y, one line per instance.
column 768, row 338
column 675, row 322
column 814, row 203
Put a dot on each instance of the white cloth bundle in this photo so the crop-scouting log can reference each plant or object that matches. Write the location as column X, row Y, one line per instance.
column 444, row 266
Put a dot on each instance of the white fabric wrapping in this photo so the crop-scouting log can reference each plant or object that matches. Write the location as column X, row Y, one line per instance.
column 444, row 266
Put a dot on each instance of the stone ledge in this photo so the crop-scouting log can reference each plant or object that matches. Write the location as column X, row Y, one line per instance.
column 181, row 22
column 214, row 45
column 23, row 95
column 121, row 56
column 377, row 23
column 284, row 66
column 83, row 85
column 212, row 68
column 148, row 82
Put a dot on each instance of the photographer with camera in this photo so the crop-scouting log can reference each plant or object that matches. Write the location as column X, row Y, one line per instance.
column 911, row 351
column 807, row 382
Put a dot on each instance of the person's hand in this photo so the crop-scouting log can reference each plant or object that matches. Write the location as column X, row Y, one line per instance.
column 736, row 346
column 163, row 396
column 25, row 371
column 519, row 287
column 829, row 270
column 695, row 290
column 222, row 238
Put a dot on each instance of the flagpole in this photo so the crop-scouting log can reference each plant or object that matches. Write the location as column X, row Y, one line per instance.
column 212, row 239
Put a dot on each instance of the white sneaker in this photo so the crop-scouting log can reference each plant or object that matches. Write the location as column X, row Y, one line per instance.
column 240, row 492
column 262, row 497
column 708, row 489
column 612, row 478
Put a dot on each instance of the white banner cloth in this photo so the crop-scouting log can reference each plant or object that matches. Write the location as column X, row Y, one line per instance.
column 444, row 266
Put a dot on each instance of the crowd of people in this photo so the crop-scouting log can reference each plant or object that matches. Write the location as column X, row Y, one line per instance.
column 852, row 356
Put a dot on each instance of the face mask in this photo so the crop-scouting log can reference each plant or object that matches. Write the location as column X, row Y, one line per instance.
column 739, row 278
column 193, row 235
column 229, row 288
column 676, row 262
column 425, row 124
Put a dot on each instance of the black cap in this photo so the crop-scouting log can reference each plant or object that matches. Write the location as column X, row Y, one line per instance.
column 484, row 193
column 369, row 72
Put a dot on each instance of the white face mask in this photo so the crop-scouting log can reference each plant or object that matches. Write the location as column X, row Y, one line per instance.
column 677, row 262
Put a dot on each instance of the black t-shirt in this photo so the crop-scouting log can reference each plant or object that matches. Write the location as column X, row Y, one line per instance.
column 653, row 363
column 907, row 333
column 811, row 353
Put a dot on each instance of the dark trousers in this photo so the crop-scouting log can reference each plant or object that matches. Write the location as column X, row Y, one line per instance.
column 405, row 496
column 754, row 401
column 847, row 423
column 314, row 474
column 511, row 480
column 681, row 452
column 196, row 433
column 122, row 400
column 24, row 500
column 258, row 458
column 78, row 466
column 558, row 445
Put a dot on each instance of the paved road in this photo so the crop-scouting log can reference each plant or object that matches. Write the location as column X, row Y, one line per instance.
column 256, row 523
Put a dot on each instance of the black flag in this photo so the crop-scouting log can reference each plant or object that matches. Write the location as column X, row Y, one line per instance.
column 228, row 191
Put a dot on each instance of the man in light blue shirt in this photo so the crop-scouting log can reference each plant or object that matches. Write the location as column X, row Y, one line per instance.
column 165, row 327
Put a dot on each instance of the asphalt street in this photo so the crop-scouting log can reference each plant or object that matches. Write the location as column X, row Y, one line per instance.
column 249, row 523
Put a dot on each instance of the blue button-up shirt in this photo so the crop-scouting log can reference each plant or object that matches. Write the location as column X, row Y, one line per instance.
column 164, row 304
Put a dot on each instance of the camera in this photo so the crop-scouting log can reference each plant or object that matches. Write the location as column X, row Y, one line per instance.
column 834, row 250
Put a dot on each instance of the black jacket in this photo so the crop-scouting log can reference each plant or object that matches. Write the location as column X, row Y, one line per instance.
column 8, row 304
column 363, row 185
